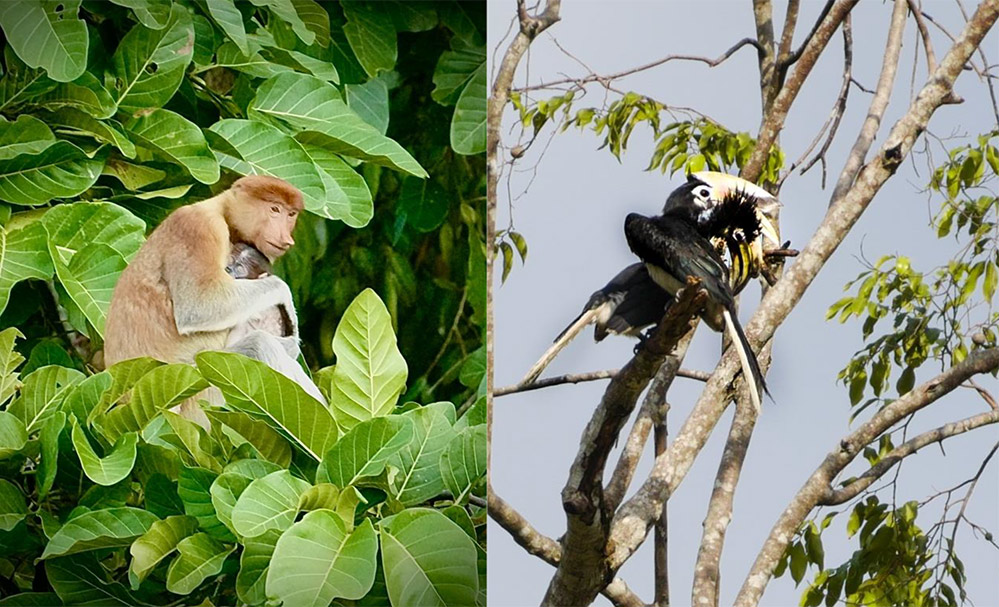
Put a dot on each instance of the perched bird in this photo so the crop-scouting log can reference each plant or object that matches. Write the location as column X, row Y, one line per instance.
column 673, row 249
column 630, row 302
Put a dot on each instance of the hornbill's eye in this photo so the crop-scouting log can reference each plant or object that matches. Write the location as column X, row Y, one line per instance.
column 703, row 192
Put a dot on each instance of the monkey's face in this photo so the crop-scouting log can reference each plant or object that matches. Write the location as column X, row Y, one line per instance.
column 264, row 213
column 274, row 227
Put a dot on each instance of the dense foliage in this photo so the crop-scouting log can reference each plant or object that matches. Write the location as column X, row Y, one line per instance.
column 112, row 115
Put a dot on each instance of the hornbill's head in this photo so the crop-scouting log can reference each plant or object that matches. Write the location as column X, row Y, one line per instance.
column 709, row 198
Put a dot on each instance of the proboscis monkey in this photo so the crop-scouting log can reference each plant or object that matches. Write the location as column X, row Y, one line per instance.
column 176, row 299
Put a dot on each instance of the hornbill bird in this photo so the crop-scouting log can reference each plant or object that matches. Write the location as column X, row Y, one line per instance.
column 632, row 301
column 673, row 248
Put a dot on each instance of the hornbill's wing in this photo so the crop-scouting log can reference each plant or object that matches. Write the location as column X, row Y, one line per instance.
column 628, row 303
column 674, row 251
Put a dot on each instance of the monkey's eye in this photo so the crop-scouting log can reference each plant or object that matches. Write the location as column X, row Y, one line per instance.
column 275, row 209
column 293, row 214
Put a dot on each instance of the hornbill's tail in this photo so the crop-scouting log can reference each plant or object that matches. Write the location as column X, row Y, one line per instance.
column 561, row 342
column 750, row 366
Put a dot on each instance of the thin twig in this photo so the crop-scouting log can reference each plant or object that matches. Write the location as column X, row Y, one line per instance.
column 576, row 378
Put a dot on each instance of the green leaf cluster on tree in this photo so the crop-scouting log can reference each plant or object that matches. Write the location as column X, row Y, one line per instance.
column 114, row 114
column 121, row 501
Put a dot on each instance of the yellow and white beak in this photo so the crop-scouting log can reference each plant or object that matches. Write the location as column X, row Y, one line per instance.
column 723, row 183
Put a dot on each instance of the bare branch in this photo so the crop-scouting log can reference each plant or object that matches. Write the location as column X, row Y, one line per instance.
column 787, row 34
column 769, row 85
column 576, row 378
column 590, row 78
column 660, row 543
column 924, row 33
column 547, row 549
column 878, row 104
column 632, row 522
column 904, row 450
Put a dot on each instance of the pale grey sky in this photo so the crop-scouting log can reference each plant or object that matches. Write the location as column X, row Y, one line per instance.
column 572, row 216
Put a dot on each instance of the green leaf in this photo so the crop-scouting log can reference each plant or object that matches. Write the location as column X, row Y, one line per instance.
column 365, row 450
column 21, row 84
column 49, row 441
column 370, row 101
column 157, row 390
column 370, row 371
column 42, row 393
column 991, row 278
column 87, row 395
column 254, row 388
column 798, row 562
column 267, row 441
column 156, row 544
column 253, row 565
column 154, row 14
column 200, row 558
column 230, row 20
column 133, row 176
column 48, row 34
column 193, row 487
column 205, row 450
column 371, row 36
column 463, row 462
column 285, row 10
column 257, row 148
column 27, row 135
column 81, row 580
column 14, row 507
column 10, row 359
column 225, row 492
column 13, row 436
column 270, row 502
column 98, row 529
column 906, row 381
column 149, row 64
column 316, row 561
column 108, row 470
column 124, row 376
column 24, row 254
column 454, row 71
column 85, row 94
column 347, row 195
column 73, row 121
column 428, row 560
column 314, row 108
column 424, row 203
column 31, row 599
column 61, row 170
column 419, row 477
column 177, row 139
column 468, row 125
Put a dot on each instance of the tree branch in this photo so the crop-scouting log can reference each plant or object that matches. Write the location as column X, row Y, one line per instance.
column 878, row 104
column 576, row 378
column 904, row 450
column 631, row 524
column 817, row 487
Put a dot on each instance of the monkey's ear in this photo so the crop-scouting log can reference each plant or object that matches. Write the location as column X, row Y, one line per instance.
column 264, row 187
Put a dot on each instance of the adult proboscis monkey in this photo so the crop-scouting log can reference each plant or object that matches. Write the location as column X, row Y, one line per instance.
column 176, row 299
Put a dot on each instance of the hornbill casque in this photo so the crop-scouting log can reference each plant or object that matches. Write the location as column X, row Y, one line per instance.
column 632, row 301
column 673, row 249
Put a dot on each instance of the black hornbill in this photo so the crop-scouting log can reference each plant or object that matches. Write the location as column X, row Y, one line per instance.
column 632, row 301
column 673, row 248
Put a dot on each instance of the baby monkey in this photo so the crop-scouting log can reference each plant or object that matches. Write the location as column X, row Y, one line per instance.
column 245, row 261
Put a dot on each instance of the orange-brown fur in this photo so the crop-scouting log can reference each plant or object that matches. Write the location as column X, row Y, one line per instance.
column 184, row 261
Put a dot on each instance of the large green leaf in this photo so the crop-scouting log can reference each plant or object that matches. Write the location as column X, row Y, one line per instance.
column 13, row 436
column 24, row 254
column 468, row 125
column 26, row 135
column 48, row 439
column 21, row 84
column 80, row 580
column 154, row 14
column 370, row 371
column 270, row 502
column 110, row 469
column 194, row 489
column 230, row 20
column 371, row 34
column 124, row 375
column 47, row 34
column 204, row 448
column 256, row 148
column 97, row 529
column 75, row 122
column 254, row 64
column 235, row 478
column 200, row 557
column 85, row 94
column 419, row 477
column 89, row 244
column 254, row 388
column 159, row 389
column 149, row 64
column 370, row 101
column 347, row 195
column 13, row 506
column 364, row 451
column 316, row 109
column 43, row 391
column 253, row 565
column 285, row 10
column 317, row 561
column 423, row 203
column 179, row 140
column 10, row 359
column 156, row 544
column 428, row 560
column 454, row 71
column 463, row 462
column 61, row 170
column 267, row 441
